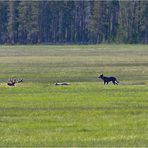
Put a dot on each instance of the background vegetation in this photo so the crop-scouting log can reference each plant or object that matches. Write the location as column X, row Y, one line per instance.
column 86, row 113
column 83, row 22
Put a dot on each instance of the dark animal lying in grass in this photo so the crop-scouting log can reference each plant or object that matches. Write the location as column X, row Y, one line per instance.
column 108, row 79
column 12, row 82
column 63, row 83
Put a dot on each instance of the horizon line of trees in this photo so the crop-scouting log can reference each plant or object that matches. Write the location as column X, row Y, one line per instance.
column 73, row 22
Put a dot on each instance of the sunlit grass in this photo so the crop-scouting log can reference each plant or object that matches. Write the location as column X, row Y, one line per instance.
column 83, row 114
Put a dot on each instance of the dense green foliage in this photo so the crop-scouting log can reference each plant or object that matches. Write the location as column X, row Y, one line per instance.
column 86, row 22
column 37, row 113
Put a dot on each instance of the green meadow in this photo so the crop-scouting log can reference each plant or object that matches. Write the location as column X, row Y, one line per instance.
column 86, row 113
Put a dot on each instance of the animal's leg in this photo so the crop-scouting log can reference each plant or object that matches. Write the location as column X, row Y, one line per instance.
column 117, row 81
column 114, row 82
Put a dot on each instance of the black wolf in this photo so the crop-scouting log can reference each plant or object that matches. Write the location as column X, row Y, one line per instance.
column 108, row 79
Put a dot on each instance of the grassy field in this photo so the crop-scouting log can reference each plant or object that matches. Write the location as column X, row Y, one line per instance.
column 83, row 114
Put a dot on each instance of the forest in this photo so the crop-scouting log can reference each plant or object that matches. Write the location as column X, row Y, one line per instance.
column 73, row 22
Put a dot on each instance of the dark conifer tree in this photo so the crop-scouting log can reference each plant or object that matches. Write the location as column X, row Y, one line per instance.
column 81, row 22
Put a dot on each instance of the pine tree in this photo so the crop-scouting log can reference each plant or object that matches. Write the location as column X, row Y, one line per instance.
column 28, row 22
column 12, row 26
column 144, row 21
column 3, row 21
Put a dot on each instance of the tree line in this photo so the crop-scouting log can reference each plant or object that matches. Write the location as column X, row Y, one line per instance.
column 73, row 22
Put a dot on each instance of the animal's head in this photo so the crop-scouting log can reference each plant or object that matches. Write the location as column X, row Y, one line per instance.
column 100, row 76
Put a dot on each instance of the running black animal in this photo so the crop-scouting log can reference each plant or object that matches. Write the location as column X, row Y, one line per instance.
column 108, row 79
